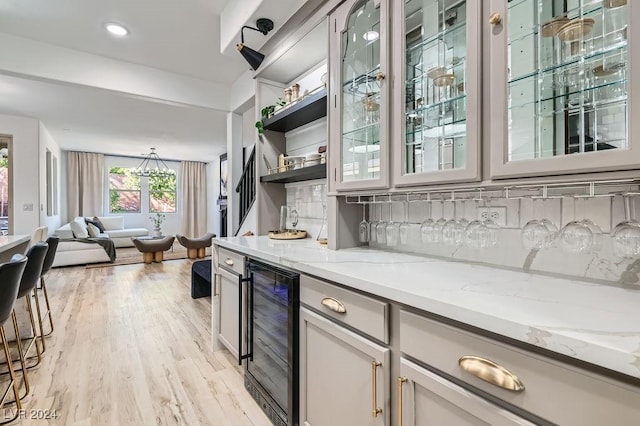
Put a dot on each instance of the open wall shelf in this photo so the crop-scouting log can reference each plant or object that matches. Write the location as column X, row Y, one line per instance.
column 306, row 173
column 305, row 111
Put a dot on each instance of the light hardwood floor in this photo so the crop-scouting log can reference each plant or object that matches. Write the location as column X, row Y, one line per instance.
column 132, row 348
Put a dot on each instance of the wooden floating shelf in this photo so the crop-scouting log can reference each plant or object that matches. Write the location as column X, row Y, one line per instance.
column 302, row 112
column 318, row 171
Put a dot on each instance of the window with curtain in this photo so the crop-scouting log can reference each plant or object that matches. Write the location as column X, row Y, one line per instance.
column 162, row 194
column 124, row 191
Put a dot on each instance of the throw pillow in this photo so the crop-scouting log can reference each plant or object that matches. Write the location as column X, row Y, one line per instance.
column 94, row 231
column 78, row 230
column 95, row 222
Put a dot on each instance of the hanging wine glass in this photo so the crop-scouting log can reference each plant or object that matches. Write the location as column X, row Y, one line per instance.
column 427, row 227
column 491, row 237
column 436, row 235
column 626, row 235
column 392, row 230
column 363, row 230
column 404, row 227
column 575, row 237
column 449, row 228
column 381, row 230
column 373, row 225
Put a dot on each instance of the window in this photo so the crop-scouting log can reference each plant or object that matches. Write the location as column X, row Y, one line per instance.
column 162, row 194
column 124, row 191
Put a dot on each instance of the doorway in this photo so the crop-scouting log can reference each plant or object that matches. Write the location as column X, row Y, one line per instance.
column 6, row 210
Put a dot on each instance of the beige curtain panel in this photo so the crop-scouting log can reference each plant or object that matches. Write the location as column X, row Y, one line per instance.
column 85, row 184
column 194, row 198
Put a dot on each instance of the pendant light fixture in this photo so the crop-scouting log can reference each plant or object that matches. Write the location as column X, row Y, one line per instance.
column 253, row 57
column 152, row 165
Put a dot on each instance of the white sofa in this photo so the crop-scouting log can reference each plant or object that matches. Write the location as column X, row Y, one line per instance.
column 80, row 253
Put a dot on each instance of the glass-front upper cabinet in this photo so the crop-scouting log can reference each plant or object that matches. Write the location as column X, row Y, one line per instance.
column 437, row 65
column 359, row 96
column 563, row 68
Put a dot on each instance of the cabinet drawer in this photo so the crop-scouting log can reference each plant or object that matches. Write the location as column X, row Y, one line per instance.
column 361, row 312
column 555, row 391
column 231, row 261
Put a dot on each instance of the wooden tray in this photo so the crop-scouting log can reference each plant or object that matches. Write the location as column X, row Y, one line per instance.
column 287, row 235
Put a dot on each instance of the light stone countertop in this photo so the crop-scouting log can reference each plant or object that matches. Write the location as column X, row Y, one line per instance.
column 595, row 323
column 8, row 242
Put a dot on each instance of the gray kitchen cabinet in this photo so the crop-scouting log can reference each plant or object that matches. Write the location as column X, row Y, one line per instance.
column 541, row 389
column 436, row 96
column 230, row 270
column 359, row 96
column 426, row 398
column 344, row 377
column 560, row 85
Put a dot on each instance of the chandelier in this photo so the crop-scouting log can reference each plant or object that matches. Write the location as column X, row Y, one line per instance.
column 152, row 165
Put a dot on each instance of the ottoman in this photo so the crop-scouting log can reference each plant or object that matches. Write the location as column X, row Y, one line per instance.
column 152, row 249
column 196, row 246
column 201, row 279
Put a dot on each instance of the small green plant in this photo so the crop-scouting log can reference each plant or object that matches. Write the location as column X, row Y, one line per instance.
column 157, row 219
column 267, row 111
column 260, row 127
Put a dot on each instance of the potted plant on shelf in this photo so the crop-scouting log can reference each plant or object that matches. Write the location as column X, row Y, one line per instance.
column 267, row 112
column 157, row 223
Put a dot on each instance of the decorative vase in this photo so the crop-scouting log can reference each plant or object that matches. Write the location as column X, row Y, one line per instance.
column 157, row 232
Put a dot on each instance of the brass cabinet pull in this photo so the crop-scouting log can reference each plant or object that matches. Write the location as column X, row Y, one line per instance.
column 380, row 76
column 215, row 282
column 401, row 381
column 491, row 372
column 334, row 304
column 229, row 261
column 495, row 19
column 374, row 378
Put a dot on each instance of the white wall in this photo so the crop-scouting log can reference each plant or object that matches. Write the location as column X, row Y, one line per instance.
column 48, row 143
column 26, row 171
column 173, row 221
column 213, row 192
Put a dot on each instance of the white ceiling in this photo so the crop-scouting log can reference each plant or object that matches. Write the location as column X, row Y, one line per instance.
column 178, row 36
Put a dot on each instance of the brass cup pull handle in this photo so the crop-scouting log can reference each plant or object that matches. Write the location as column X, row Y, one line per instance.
column 380, row 76
column 334, row 304
column 491, row 372
column 229, row 261
column 374, row 379
column 401, row 381
column 495, row 19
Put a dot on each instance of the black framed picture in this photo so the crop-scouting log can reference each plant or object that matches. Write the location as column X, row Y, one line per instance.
column 223, row 176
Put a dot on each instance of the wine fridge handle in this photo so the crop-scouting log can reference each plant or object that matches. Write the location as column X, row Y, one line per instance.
column 249, row 355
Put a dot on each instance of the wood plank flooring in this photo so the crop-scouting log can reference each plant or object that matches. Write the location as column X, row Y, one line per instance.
column 131, row 347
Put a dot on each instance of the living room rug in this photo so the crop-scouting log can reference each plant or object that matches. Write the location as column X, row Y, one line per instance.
column 131, row 256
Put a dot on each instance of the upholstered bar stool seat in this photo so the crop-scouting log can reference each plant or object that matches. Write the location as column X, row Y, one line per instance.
column 196, row 247
column 152, row 249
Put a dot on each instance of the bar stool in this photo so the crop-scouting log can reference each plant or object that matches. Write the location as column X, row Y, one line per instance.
column 52, row 242
column 29, row 281
column 10, row 276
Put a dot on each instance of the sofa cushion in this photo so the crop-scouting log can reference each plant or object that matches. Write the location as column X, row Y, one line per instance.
column 64, row 231
column 79, row 231
column 127, row 233
column 95, row 222
column 93, row 230
column 112, row 223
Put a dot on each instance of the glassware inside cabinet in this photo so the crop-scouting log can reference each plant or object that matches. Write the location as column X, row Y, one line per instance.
column 361, row 93
column 435, row 98
column 567, row 77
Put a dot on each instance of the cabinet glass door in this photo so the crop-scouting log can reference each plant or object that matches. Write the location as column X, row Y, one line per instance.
column 439, row 128
column 567, row 93
column 362, row 96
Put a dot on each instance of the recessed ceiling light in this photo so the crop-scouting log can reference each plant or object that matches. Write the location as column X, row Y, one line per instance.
column 116, row 29
column 371, row 35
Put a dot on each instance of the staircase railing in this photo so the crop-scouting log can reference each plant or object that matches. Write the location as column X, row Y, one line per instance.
column 247, row 188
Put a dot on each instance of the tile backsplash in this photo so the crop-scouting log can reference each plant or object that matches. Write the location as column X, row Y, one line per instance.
column 602, row 264
column 310, row 200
